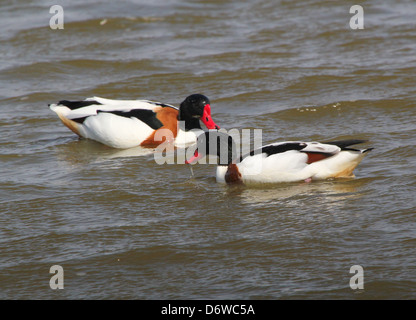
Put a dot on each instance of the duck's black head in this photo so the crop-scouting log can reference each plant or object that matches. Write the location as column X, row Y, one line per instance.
column 215, row 143
column 194, row 108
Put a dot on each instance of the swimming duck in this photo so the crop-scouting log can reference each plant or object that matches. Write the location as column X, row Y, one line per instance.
column 289, row 161
column 130, row 123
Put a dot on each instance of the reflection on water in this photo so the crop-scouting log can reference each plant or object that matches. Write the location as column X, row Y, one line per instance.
column 292, row 68
column 270, row 195
column 84, row 151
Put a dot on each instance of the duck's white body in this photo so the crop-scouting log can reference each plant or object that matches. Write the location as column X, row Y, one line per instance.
column 124, row 123
column 315, row 161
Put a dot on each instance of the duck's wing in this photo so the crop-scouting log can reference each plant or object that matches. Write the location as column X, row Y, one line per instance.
column 92, row 106
column 312, row 148
column 144, row 110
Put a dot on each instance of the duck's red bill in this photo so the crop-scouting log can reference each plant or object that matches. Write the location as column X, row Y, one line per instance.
column 206, row 118
column 194, row 158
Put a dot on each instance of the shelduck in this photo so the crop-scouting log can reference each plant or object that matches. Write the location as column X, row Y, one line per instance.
column 288, row 161
column 130, row 123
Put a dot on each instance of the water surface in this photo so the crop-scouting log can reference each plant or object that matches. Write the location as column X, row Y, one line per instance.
column 123, row 227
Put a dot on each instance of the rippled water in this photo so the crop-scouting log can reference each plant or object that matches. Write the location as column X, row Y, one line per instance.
column 123, row 227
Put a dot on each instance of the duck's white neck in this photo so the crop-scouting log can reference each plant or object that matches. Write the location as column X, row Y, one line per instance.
column 185, row 138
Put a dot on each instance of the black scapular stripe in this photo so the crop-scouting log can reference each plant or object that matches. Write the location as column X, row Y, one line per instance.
column 147, row 116
column 274, row 149
column 77, row 104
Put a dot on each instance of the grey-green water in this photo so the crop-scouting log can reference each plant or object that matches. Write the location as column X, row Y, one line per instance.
column 123, row 227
